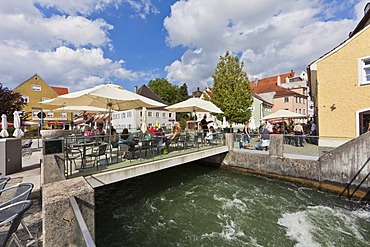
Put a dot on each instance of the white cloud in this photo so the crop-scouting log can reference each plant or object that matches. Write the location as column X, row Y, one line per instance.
column 65, row 50
column 272, row 36
column 78, row 68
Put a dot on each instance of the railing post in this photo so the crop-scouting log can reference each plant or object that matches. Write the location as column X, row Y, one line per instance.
column 229, row 141
column 276, row 147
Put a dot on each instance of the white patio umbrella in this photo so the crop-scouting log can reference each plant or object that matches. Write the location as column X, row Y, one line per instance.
column 143, row 128
column 194, row 105
column 284, row 114
column 18, row 133
column 108, row 96
column 74, row 108
column 4, row 132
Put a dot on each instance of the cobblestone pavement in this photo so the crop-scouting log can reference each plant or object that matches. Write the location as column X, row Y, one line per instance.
column 33, row 220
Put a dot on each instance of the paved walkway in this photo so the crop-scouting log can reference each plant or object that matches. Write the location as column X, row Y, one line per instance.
column 30, row 173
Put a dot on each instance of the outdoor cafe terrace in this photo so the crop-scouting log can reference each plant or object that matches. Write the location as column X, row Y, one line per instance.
column 95, row 154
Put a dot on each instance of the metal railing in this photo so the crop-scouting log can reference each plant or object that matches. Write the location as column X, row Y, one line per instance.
column 310, row 143
column 146, row 148
column 89, row 241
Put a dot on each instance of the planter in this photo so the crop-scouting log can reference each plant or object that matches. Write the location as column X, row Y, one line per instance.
column 51, row 134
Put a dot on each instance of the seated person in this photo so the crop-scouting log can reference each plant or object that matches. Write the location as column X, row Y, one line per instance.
column 265, row 138
column 174, row 137
column 209, row 135
column 88, row 132
column 113, row 138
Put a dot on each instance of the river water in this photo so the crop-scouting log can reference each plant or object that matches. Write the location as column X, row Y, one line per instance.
column 198, row 205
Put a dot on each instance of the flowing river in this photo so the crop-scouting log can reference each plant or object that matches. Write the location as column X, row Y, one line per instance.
column 198, row 205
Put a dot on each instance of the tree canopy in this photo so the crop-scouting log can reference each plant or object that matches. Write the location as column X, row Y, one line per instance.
column 171, row 94
column 231, row 90
column 10, row 102
column 164, row 89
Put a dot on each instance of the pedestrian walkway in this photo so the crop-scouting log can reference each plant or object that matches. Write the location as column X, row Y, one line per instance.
column 31, row 174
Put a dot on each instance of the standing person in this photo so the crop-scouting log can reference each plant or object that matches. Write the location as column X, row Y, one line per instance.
column 204, row 125
column 269, row 126
column 313, row 133
column 298, row 132
column 246, row 131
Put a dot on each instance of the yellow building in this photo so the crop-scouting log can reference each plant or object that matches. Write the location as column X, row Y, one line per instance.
column 340, row 87
column 35, row 90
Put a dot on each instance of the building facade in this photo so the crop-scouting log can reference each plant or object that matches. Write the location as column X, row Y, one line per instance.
column 35, row 90
column 340, row 87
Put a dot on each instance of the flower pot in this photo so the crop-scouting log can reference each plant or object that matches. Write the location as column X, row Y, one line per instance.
column 51, row 134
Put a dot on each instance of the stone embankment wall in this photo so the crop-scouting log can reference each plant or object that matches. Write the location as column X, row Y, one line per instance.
column 60, row 227
column 332, row 171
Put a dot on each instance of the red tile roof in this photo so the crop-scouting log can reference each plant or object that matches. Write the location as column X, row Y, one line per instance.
column 269, row 84
column 60, row 90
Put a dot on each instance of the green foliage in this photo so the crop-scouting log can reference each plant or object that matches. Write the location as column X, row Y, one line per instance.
column 10, row 102
column 231, row 89
column 168, row 92
column 171, row 94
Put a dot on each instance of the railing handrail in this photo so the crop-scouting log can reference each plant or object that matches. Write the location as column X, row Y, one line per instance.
column 89, row 241
column 354, row 177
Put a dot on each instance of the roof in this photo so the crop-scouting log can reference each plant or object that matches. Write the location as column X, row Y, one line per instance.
column 269, row 84
column 196, row 94
column 264, row 101
column 363, row 22
column 146, row 92
column 60, row 90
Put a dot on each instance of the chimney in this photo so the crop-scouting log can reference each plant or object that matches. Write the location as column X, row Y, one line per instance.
column 198, row 89
column 278, row 80
column 367, row 8
column 135, row 89
column 292, row 73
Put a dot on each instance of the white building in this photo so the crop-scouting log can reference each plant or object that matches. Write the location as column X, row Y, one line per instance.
column 132, row 119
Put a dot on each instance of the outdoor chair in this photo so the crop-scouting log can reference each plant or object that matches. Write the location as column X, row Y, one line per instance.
column 72, row 154
column 3, row 181
column 145, row 146
column 11, row 217
column 157, row 145
column 123, row 151
column 101, row 150
column 13, row 195
column 26, row 148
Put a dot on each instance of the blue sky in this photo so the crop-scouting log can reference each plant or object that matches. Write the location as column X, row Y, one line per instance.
column 79, row 44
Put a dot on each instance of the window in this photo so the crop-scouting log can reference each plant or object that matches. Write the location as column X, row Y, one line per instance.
column 170, row 115
column 164, row 115
column 304, row 111
column 364, row 70
column 251, row 108
column 35, row 87
column 63, row 114
column 50, row 114
column 296, row 100
column 286, row 99
column 157, row 114
column 129, row 114
column 44, row 98
column 150, row 114
column 300, row 100
column 25, row 99
column 123, row 115
column 35, row 112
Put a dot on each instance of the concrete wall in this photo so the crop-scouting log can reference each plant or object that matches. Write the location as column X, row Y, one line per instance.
column 59, row 224
column 335, row 167
column 342, row 163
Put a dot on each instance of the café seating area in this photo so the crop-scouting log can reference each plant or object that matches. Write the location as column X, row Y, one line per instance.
column 91, row 154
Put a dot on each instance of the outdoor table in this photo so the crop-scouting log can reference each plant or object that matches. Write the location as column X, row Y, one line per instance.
column 84, row 145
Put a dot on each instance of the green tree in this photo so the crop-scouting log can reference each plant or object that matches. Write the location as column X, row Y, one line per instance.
column 231, row 89
column 10, row 102
column 168, row 92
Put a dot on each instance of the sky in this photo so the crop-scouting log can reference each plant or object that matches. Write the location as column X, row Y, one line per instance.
column 80, row 44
